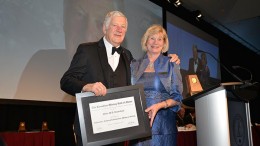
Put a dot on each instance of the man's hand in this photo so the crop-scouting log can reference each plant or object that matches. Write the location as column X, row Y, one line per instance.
column 97, row 88
column 174, row 58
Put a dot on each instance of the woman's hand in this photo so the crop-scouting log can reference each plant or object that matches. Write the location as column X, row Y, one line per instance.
column 152, row 111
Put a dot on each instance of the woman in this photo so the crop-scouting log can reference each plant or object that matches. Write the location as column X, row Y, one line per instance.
column 204, row 72
column 162, row 85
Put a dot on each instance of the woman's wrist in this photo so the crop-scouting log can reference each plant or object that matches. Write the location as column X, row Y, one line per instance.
column 165, row 104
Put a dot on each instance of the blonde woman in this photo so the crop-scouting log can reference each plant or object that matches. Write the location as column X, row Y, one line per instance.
column 162, row 85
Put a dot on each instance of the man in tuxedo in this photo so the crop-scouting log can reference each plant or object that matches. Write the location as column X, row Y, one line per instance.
column 194, row 62
column 98, row 66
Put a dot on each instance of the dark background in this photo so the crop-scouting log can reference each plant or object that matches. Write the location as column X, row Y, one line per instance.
column 60, row 116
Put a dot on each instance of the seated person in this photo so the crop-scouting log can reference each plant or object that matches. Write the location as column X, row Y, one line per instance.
column 180, row 117
column 190, row 119
column 2, row 142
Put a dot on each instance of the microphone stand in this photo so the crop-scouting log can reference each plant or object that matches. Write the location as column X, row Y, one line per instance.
column 246, row 87
column 240, row 67
column 240, row 80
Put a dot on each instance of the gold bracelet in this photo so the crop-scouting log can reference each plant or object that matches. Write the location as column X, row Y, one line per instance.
column 166, row 104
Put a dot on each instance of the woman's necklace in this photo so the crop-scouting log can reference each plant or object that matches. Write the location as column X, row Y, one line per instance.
column 150, row 65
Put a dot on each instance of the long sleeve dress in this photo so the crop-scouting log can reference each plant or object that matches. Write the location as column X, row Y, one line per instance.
column 160, row 85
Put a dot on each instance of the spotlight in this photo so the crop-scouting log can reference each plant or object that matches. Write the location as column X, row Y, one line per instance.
column 176, row 3
column 197, row 14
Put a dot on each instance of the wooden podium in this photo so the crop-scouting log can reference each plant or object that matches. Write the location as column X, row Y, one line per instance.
column 222, row 119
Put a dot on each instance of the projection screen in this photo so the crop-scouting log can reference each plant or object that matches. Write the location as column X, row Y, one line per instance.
column 38, row 39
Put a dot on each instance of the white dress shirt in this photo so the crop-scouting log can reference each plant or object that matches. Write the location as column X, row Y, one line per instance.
column 113, row 60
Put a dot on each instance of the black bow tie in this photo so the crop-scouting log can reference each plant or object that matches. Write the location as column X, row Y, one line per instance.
column 118, row 50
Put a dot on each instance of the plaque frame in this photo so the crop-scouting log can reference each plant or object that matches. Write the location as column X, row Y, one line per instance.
column 90, row 139
column 193, row 84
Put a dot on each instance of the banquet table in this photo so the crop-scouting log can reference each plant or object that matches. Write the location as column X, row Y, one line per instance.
column 36, row 138
column 256, row 135
column 187, row 138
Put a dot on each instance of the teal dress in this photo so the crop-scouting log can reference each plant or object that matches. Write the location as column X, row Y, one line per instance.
column 164, row 130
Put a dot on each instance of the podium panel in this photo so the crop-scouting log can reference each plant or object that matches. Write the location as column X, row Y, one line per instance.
column 212, row 119
column 222, row 118
column 239, row 121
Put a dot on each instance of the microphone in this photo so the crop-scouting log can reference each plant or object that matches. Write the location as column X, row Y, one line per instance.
column 247, row 90
column 240, row 67
column 233, row 75
column 247, row 83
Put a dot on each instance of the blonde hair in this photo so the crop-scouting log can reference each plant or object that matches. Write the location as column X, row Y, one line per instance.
column 110, row 15
column 154, row 29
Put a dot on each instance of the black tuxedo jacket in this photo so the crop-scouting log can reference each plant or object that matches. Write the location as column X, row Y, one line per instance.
column 191, row 65
column 90, row 65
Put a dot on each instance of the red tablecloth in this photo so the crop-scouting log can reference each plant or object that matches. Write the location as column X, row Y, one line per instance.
column 44, row 138
column 256, row 135
column 187, row 138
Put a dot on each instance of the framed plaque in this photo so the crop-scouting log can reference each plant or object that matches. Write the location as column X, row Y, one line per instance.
column 118, row 116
